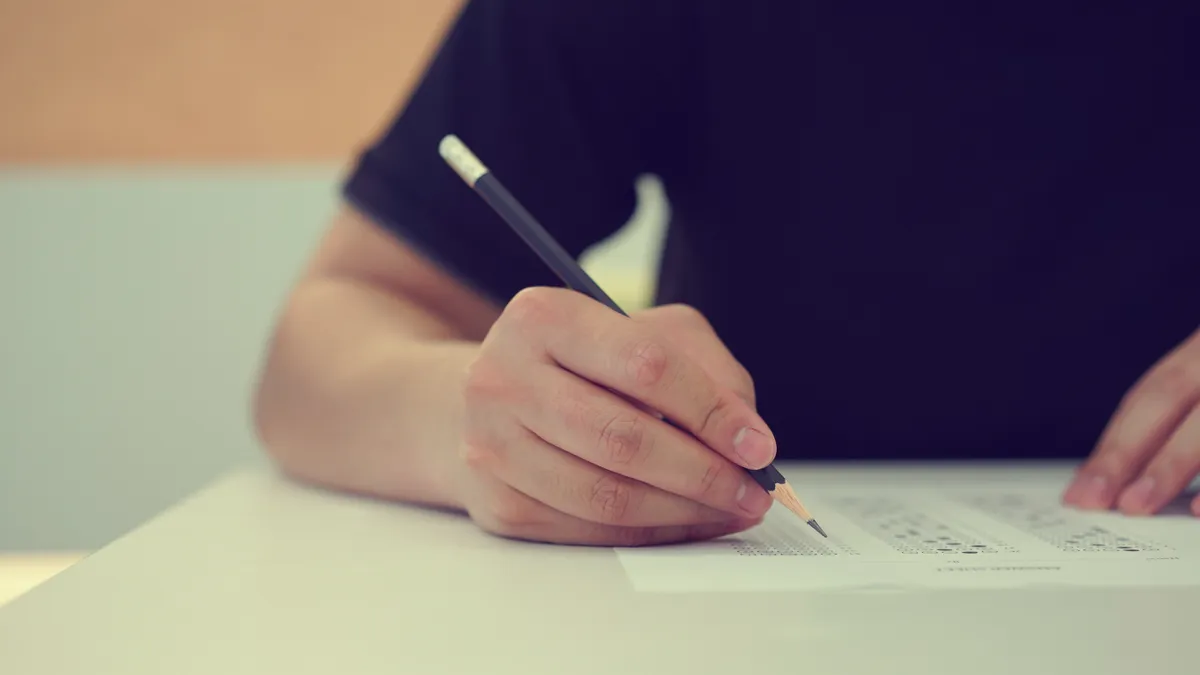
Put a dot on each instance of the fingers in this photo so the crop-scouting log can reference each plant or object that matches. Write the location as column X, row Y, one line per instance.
column 634, row 359
column 1150, row 450
column 1142, row 423
column 1168, row 473
column 577, row 488
column 512, row 514
column 606, row 431
column 561, row 412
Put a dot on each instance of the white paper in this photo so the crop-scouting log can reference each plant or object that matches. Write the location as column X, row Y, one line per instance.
column 976, row 537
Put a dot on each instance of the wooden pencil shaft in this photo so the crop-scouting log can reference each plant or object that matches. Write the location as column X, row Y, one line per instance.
column 785, row 495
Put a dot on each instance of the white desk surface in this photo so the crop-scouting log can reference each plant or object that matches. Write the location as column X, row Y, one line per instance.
column 257, row 575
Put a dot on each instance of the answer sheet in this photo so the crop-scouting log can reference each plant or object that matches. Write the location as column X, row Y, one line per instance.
column 972, row 537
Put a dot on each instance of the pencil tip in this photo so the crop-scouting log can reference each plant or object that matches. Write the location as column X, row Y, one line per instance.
column 817, row 527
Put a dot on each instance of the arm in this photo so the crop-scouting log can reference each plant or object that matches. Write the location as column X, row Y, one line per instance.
column 361, row 385
column 368, row 388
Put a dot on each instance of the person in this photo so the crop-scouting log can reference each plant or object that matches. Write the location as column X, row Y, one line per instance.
column 908, row 231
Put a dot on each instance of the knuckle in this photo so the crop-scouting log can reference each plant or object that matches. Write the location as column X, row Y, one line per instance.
column 646, row 362
column 711, row 479
column 533, row 306
column 609, row 498
column 623, row 438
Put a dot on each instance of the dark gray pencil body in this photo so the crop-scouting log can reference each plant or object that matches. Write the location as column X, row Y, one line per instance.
column 536, row 236
column 473, row 171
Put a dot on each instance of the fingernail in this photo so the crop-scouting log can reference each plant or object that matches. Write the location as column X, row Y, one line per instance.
column 1138, row 497
column 754, row 447
column 1091, row 491
column 753, row 500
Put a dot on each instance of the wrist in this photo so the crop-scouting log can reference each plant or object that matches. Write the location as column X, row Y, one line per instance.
column 428, row 431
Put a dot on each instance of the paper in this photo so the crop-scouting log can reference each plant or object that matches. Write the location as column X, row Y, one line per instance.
column 977, row 537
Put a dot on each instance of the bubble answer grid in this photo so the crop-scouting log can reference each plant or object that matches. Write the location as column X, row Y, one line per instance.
column 912, row 532
column 773, row 539
column 1063, row 530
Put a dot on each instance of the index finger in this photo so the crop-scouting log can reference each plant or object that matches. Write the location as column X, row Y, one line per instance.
column 637, row 361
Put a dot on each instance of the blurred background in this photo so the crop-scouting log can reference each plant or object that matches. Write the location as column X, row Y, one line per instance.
column 165, row 168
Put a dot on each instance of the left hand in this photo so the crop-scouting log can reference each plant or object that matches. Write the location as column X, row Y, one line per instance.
column 1150, row 451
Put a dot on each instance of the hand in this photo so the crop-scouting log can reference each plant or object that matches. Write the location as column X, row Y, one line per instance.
column 561, row 442
column 1150, row 451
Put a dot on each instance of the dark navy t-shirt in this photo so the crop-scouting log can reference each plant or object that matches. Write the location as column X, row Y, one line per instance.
column 929, row 230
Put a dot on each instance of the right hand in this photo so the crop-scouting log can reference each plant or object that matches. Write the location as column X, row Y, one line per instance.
column 561, row 442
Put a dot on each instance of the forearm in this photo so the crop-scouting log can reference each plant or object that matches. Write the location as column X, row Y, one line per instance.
column 360, row 392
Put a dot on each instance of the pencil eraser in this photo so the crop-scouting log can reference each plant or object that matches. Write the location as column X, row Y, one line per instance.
column 461, row 159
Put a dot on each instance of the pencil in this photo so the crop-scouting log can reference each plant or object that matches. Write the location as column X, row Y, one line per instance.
column 478, row 177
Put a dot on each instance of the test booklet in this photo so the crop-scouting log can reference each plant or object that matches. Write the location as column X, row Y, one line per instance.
column 971, row 537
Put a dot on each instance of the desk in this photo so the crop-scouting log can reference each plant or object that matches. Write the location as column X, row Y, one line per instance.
column 257, row 575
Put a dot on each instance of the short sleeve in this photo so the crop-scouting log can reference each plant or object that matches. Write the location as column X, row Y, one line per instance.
column 562, row 100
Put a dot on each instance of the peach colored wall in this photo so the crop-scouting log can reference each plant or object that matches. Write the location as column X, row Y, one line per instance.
column 207, row 80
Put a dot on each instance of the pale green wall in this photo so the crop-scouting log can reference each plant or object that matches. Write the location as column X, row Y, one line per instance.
column 133, row 308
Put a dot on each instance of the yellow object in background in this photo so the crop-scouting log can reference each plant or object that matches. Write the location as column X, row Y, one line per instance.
column 630, row 290
column 19, row 572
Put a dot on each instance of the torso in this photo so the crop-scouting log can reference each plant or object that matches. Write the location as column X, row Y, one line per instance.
column 941, row 233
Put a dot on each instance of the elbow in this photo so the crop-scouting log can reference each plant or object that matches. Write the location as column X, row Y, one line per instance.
column 279, row 427
column 281, row 418
column 268, row 409
column 265, row 416
column 261, row 415
column 273, row 427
